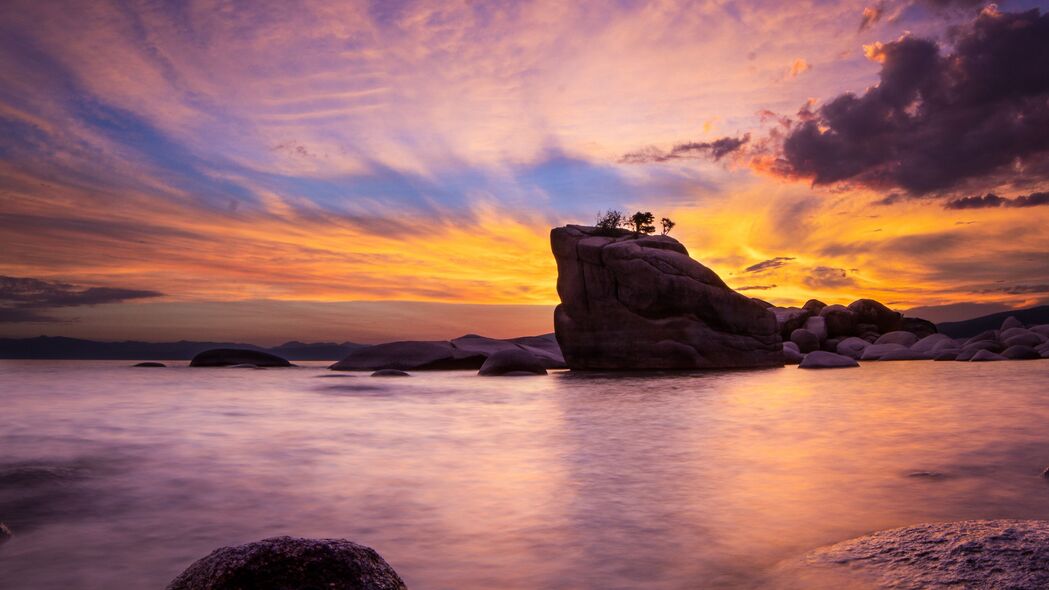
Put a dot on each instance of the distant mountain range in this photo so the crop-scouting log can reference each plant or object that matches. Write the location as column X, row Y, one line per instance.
column 969, row 328
column 46, row 347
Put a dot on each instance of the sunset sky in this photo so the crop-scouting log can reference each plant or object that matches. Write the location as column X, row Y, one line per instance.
column 331, row 170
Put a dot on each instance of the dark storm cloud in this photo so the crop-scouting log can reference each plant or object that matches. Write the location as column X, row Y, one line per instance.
column 715, row 150
column 934, row 122
column 21, row 298
column 769, row 264
column 991, row 200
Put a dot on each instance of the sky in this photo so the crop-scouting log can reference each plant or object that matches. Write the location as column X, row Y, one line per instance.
column 370, row 171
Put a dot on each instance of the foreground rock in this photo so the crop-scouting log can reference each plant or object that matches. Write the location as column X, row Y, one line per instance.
column 1002, row 554
column 150, row 364
column 288, row 563
column 511, row 362
column 228, row 357
column 630, row 302
column 465, row 352
column 827, row 360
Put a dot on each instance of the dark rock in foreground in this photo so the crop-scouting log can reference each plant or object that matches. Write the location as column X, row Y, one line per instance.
column 390, row 373
column 640, row 302
column 1001, row 554
column 511, row 362
column 228, row 357
column 288, row 563
column 149, row 364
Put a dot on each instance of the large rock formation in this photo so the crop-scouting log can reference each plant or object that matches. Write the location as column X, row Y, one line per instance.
column 630, row 302
column 284, row 563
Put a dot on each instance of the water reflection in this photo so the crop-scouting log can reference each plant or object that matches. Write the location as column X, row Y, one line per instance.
column 566, row 481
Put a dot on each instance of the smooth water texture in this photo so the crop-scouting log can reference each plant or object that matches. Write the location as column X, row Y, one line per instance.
column 120, row 477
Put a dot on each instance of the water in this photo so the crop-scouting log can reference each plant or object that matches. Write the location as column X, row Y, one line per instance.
column 120, row 477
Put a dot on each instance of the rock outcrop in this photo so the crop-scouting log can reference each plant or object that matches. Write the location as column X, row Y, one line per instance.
column 228, row 357
column 640, row 302
column 968, row 554
column 283, row 563
column 466, row 352
column 511, row 362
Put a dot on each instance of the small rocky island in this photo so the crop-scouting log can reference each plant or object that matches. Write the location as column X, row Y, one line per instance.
column 631, row 301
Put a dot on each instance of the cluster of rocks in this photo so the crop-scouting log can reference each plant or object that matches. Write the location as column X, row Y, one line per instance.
column 489, row 356
column 817, row 335
column 634, row 302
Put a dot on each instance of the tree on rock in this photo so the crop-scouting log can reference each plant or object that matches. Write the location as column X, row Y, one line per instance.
column 667, row 225
column 609, row 221
column 642, row 222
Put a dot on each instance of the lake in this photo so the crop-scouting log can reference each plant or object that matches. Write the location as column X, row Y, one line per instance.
column 120, row 477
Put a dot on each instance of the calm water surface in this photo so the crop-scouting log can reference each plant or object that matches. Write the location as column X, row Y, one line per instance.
column 120, row 477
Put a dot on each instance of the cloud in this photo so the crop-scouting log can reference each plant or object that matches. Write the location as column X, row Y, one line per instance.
column 799, row 67
column 1018, row 289
column 935, row 122
column 715, row 150
column 756, row 288
column 769, row 264
column 871, row 16
column 21, row 298
column 823, row 277
column 991, row 200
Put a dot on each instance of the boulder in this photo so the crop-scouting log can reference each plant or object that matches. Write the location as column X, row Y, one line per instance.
column 1042, row 329
column 827, row 360
column 897, row 337
column 919, row 327
column 998, row 554
column 869, row 311
column 906, row 355
column 640, row 302
column 984, row 356
column 511, row 362
column 932, row 341
column 991, row 335
column 840, row 321
column 544, row 348
column 806, row 341
column 390, row 373
column 1021, row 337
column 852, row 347
column 411, row 356
column 876, row 351
column 150, row 364
column 946, row 355
column 1020, row 352
column 1011, row 322
column 814, row 306
column 818, row 326
column 791, row 355
column 972, row 348
column 287, row 563
column 228, row 357
column 789, row 319
column 830, row 344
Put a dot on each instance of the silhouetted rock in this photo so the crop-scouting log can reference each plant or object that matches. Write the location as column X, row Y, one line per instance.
column 791, row 354
column 806, row 341
column 919, row 327
column 905, row 355
column 544, row 348
column 986, row 355
column 1042, row 329
column 814, row 306
column 1011, row 322
column 409, row 356
column 762, row 302
column 831, row 345
column 390, row 373
column 288, row 563
column 852, row 347
column 227, row 357
column 152, row 364
column 789, row 319
column 970, row 349
column 821, row 359
column 1020, row 337
column 897, row 337
column 1020, row 352
column 999, row 554
column 869, row 311
column 840, row 321
column 631, row 302
column 511, row 362
column 947, row 355
column 932, row 341
column 986, row 335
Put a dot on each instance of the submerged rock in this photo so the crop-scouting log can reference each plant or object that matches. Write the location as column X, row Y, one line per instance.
column 289, row 563
column 640, row 302
column 1003, row 554
column 149, row 364
column 511, row 362
column 228, row 357
column 827, row 360
column 390, row 373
